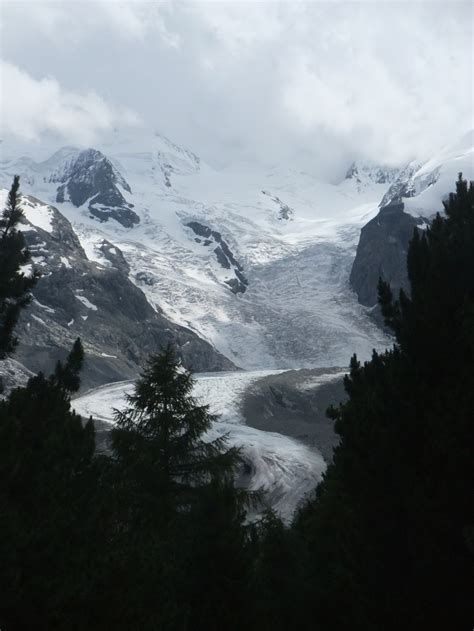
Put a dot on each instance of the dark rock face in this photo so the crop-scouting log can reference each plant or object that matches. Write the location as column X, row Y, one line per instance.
column 147, row 279
column 383, row 243
column 77, row 297
column 382, row 252
column 167, row 170
column 199, row 229
column 91, row 176
column 114, row 256
column 285, row 213
column 223, row 254
column 352, row 172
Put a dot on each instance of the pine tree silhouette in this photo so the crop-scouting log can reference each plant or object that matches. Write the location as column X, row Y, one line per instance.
column 389, row 535
column 162, row 433
column 180, row 519
column 15, row 286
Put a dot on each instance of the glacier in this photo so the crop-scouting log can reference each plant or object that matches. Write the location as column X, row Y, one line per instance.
column 297, row 309
column 286, row 469
column 291, row 236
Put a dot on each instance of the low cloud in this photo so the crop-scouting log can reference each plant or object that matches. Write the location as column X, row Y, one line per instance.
column 31, row 107
column 315, row 84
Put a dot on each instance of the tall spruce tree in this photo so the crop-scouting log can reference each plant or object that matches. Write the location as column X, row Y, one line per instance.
column 389, row 534
column 276, row 586
column 160, row 435
column 179, row 531
column 15, row 285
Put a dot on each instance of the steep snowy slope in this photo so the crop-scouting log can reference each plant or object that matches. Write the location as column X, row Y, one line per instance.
column 436, row 178
column 412, row 200
column 256, row 262
column 96, row 301
column 423, row 187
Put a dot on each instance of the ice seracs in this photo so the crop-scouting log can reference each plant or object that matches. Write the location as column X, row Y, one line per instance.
column 272, row 290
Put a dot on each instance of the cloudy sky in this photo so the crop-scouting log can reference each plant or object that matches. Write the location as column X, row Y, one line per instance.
column 314, row 83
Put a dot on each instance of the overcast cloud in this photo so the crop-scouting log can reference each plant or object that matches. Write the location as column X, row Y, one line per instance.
column 313, row 83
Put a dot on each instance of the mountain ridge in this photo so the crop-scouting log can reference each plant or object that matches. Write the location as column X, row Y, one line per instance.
column 410, row 203
column 77, row 297
column 292, row 237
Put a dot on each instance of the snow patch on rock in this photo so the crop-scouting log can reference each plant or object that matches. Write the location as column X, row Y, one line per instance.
column 87, row 303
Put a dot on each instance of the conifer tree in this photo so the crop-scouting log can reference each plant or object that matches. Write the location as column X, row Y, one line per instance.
column 48, row 486
column 67, row 376
column 15, row 286
column 276, row 583
column 162, row 434
column 217, row 561
column 389, row 534
column 173, row 482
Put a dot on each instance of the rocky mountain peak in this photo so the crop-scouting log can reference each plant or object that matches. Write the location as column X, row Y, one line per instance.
column 411, row 201
column 363, row 173
column 171, row 159
column 91, row 177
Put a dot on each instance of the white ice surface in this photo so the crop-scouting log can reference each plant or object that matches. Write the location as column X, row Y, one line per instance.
column 446, row 165
column 298, row 310
column 285, row 468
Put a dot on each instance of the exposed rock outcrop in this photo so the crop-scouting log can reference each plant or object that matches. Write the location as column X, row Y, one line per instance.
column 12, row 375
column 91, row 177
column 285, row 213
column 223, row 253
column 382, row 252
column 403, row 186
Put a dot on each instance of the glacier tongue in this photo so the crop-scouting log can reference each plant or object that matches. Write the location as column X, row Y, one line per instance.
column 285, row 468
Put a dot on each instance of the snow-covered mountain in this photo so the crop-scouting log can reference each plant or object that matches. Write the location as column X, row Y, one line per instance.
column 413, row 198
column 140, row 242
column 365, row 174
column 423, row 186
column 255, row 261
column 76, row 296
